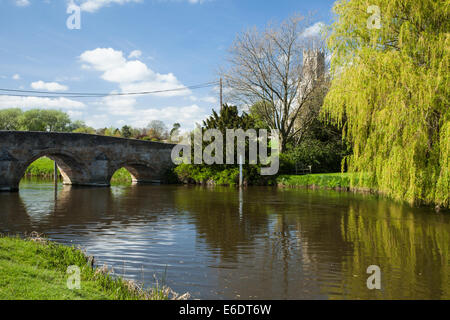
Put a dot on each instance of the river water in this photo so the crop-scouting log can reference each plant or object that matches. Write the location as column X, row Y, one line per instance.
column 258, row 243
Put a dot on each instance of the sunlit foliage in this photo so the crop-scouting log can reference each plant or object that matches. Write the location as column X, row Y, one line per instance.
column 390, row 95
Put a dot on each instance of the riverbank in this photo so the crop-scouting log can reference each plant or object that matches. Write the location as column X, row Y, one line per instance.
column 42, row 167
column 36, row 269
column 188, row 174
column 336, row 181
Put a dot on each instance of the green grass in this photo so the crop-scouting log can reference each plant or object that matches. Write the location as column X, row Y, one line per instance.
column 322, row 180
column 121, row 176
column 43, row 167
column 36, row 270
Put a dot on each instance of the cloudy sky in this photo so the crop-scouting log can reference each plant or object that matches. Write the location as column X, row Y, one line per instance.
column 129, row 46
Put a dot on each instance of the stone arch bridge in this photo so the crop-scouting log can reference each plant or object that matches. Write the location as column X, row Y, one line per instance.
column 83, row 159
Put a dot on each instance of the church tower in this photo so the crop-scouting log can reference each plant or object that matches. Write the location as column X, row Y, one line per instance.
column 313, row 69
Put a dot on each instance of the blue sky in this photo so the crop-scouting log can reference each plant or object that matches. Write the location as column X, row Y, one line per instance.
column 129, row 46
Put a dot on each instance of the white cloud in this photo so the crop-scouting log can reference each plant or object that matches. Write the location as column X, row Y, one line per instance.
column 160, row 82
column 98, row 121
column 187, row 116
column 95, row 5
column 132, row 76
column 135, row 54
column 130, row 71
column 48, row 86
column 103, row 59
column 16, row 76
column 75, row 115
column 314, row 30
column 208, row 99
column 22, row 3
column 118, row 105
column 126, row 109
column 38, row 102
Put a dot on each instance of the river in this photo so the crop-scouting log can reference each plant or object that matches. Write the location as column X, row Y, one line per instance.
column 258, row 243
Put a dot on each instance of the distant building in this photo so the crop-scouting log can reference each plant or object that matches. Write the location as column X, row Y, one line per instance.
column 313, row 74
column 313, row 69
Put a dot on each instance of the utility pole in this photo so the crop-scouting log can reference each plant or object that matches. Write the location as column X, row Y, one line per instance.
column 221, row 94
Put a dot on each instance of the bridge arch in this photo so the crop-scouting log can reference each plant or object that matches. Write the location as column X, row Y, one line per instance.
column 141, row 171
column 70, row 166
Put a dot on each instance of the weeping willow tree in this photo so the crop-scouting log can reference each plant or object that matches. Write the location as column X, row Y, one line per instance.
column 390, row 95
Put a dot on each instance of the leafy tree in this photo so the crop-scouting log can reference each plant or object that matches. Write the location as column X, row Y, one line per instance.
column 45, row 120
column 175, row 132
column 126, row 132
column 56, row 120
column 85, row 129
column 229, row 118
column 77, row 124
column 10, row 119
column 102, row 131
column 110, row 132
column 117, row 133
column 390, row 95
column 320, row 147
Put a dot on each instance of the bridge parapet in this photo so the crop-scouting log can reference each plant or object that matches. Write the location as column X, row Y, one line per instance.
column 83, row 159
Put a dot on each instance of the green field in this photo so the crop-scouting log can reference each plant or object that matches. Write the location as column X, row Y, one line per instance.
column 43, row 167
column 36, row 269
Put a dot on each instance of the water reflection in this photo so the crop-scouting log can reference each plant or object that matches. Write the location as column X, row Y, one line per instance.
column 251, row 243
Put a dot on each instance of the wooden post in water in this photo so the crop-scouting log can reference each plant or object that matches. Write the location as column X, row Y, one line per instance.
column 240, row 171
column 55, row 173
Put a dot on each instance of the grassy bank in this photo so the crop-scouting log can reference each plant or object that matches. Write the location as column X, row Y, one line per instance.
column 121, row 176
column 322, row 180
column 42, row 167
column 35, row 268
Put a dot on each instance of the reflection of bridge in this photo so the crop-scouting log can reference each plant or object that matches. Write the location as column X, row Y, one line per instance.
column 83, row 159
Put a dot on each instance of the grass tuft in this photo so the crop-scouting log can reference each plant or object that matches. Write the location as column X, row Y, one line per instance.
column 36, row 269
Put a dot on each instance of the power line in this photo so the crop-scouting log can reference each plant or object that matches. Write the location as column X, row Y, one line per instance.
column 38, row 94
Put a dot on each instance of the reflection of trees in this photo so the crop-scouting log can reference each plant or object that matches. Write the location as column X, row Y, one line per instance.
column 412, row 248
column 218, row 220
column 327, row 237
column 352, row 232
column 78, row 207
column 13, row 214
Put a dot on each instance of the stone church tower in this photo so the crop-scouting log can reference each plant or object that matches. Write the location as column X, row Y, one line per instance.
column 312, row 75
column 313, row 69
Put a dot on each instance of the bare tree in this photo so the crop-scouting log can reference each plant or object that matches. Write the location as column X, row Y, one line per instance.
column 157, row 130
column 267, row 68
